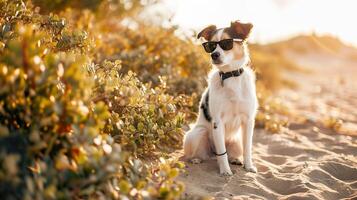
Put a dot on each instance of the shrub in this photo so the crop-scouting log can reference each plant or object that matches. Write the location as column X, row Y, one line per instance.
column 153, row 52
column 143, row 119
column 333, row 123
column 53, row 135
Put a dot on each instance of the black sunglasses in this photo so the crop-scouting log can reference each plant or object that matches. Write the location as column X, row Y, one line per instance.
column 226, row 44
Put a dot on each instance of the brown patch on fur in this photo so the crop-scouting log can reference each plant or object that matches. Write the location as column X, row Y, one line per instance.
column 207, row 32
column 215, row 35
column 239, row 30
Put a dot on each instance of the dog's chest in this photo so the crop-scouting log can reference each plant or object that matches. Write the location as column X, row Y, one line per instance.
column 234, row 98
column 235, row 107
column 232, row 105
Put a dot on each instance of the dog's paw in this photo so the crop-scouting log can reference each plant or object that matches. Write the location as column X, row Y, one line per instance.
column 235, row 161
column 227, row 173
column 196, row 161
column 250, row 168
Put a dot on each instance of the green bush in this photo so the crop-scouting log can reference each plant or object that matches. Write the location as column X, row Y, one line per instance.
column 152, row 52
column 53, row 143
column 143, row 119
column 55, row 136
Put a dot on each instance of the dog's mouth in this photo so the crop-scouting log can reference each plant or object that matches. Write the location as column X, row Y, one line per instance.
column 217, row 61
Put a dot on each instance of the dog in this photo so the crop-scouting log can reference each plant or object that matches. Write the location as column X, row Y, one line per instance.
column 228, row 106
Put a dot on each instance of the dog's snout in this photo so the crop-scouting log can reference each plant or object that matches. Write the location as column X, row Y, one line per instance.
column 215, row 55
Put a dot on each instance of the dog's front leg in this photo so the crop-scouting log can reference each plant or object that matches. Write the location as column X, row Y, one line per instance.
column 219, row 143
column 247, row 136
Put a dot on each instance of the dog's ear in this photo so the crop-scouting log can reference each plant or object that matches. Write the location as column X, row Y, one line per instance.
column 240, row 30
column 207, row 32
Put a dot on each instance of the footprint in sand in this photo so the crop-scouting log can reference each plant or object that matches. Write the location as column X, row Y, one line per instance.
column 283, row 186
column 340, row 171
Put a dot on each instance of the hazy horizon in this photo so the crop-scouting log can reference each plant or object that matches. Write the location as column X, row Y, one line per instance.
column 273, row 19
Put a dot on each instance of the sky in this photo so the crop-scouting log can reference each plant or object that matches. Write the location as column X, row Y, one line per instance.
column 273, row 19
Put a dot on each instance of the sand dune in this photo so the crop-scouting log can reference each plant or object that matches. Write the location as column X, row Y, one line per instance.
column 306, row 161
column 307, row 165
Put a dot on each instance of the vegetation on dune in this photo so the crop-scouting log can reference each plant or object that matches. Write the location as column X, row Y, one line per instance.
column 85, row 98
column 63, row 117
column 54, row 143
column 269, row 66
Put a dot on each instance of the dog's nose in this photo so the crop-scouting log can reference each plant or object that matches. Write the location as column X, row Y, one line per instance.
column 215, row 55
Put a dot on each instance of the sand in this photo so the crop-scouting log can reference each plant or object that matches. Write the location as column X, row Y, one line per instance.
column 306, row 161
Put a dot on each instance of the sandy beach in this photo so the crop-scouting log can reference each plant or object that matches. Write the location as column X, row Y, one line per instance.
column 306, row 161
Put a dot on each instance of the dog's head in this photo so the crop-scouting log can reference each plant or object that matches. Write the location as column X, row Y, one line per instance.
column 226, row 45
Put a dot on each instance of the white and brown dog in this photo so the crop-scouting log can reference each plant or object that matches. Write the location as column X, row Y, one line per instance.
column 228, row 106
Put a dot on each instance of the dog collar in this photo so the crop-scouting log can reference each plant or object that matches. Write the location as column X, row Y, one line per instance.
column 225, row 75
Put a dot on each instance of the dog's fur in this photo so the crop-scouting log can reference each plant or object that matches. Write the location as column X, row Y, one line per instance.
column 232, row 106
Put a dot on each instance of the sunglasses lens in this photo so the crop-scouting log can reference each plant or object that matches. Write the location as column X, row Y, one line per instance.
column 209, row 46
column 226, row 44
